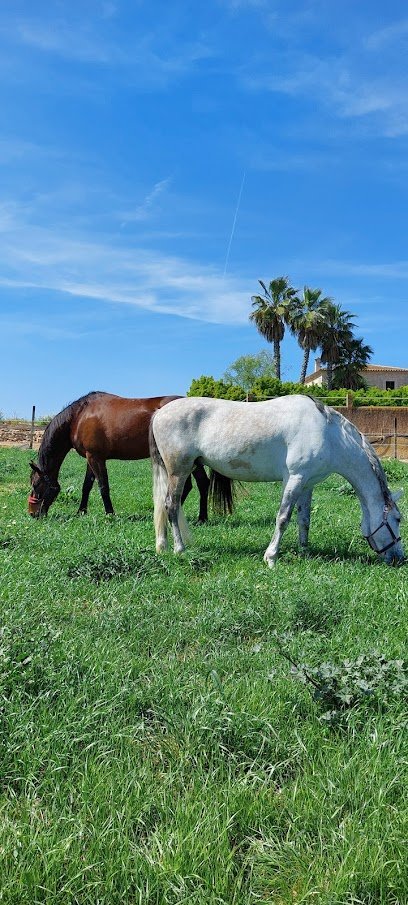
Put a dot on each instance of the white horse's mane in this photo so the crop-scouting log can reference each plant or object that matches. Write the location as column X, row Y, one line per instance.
column 359, row 438
column 377, row 468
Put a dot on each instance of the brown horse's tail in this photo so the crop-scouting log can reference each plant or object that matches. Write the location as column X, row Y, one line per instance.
column 222, row 493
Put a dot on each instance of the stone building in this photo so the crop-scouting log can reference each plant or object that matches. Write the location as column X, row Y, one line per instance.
column 381, row 376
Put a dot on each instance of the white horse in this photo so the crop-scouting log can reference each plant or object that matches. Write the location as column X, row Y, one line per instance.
column 292, row 439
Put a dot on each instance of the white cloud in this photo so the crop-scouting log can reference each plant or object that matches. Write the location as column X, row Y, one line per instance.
column 357, row 282
column 348, row 86
column 116, row 272
column 395, row 270
column 108, row 10
column 12, row 327
column 120, row 272
column 391, row 34
column 144, row 210
column 67, row 41
column 157, row 57
column 245, row 4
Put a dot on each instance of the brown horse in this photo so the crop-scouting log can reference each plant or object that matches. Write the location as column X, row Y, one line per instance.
column 99, row 426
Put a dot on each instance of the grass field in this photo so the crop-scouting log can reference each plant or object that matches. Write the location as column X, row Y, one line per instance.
column 156, row 746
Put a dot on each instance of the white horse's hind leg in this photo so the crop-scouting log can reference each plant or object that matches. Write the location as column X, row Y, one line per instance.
column 177, row 519
column 303, row 517
column 291, row 493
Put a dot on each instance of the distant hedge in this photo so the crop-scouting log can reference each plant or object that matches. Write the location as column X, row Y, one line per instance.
column 375, row 396
column 270, row 387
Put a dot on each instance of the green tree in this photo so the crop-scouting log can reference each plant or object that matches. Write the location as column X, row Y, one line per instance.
column 307, row 323
column 216, row 389
column 354, row 358
column 245, row 370
column 203, row 386
column 337, row 332
column 272, row 312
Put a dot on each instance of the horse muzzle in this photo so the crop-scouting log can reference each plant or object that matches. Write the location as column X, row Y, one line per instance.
column 394, row 557
column 36, row 507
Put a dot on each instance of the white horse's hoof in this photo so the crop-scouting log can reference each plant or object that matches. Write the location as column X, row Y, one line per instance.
column 161, row 547
column 270, row 561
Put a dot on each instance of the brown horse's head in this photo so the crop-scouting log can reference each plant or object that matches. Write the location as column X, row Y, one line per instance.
column 43, row 491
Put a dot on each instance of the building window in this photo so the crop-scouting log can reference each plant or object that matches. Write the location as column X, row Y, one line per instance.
column 390, row 384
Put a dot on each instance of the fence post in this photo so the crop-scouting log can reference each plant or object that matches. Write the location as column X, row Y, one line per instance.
column 32, row 427
column 395, row 437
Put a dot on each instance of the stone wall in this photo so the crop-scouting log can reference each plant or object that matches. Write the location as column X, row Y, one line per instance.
column 13, row 433
column 385, row 427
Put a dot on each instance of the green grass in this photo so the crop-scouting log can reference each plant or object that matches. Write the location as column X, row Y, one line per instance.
column 155, row 746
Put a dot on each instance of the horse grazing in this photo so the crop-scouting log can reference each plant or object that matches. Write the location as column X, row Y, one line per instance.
column 99, row 426
column 292, row 439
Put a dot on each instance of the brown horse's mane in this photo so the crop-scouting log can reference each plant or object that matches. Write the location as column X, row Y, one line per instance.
column 56, row 433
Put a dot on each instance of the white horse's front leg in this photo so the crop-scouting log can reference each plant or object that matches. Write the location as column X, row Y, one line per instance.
column 303, row 516
column 291, row 493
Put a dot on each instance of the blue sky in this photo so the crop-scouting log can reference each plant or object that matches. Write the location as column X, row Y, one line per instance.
column 128, row 129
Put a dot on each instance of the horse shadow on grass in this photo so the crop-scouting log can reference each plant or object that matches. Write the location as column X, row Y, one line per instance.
column 288, row 553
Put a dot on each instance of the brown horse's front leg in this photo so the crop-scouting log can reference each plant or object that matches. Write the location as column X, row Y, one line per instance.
column 203, row 484
column 86, row 489
column 188, row 486
column 99, row 469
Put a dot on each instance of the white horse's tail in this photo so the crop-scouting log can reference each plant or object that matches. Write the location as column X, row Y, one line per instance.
column 160, row 488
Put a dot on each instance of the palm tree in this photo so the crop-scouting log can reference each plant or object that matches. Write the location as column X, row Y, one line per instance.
column 337, row 332
column 354, row 358
column 307, row 322
column 272, row 312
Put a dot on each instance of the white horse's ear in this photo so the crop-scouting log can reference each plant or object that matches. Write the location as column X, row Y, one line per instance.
column 397, row 494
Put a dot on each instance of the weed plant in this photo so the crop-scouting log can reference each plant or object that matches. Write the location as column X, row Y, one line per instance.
column 156, row 747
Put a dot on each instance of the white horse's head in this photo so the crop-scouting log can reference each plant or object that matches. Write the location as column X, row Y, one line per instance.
column 385, row 538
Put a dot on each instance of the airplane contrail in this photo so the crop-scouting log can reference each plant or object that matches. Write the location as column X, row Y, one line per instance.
column 233, row 226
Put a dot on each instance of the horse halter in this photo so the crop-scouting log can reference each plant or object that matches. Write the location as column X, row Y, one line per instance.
column 384, row 524
column 49, row 486
column 48, row 482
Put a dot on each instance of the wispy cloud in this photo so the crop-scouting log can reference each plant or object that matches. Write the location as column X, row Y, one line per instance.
column 143, row 211
column 270, row 159
column 108, row 271
column 245, row 4
column 158, row 55
column 67, row 41
column 33, row 257
column 17, row 326
column 367, row 270
column 14, row 150
column 341, row 88
column 108, row 9
column 390, row 35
